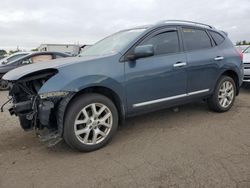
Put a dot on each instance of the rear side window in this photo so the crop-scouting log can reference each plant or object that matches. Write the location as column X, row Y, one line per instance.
column 41, row 58
column 164, row 43
column 195, row 39
column 218, row 39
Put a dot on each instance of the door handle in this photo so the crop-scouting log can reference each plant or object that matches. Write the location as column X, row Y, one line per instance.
column 180, row 64
column 218, row 58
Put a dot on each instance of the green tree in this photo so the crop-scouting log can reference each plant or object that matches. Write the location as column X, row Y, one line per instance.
column 34, row 50
column 238, row 43
column 2, row 52
column 13, row 51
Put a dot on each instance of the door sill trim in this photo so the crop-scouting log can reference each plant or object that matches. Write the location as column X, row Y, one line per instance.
column 170, row 98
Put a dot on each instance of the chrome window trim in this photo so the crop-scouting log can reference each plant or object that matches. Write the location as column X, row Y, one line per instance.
column 170, row 98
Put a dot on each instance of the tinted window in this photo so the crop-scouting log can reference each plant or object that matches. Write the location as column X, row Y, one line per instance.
column 41, row 58
column 14, row 57
column 37, row 58
column 164, row 43
column 217, row 37
column 195, row 39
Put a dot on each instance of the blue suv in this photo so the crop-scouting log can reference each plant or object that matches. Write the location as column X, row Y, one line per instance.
column 134, row 71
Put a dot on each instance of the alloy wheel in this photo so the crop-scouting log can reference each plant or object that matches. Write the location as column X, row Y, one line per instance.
column 93, row 123
column 226, row 94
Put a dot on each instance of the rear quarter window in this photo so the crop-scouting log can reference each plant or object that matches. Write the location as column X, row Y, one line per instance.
column 218, row 38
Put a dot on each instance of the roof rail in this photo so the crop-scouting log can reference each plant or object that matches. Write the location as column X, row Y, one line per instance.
column 184, row 21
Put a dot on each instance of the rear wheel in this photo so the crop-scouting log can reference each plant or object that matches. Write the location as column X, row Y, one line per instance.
column 224, row 95
column 90, row 122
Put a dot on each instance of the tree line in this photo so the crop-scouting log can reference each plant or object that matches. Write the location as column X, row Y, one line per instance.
column 244, row 42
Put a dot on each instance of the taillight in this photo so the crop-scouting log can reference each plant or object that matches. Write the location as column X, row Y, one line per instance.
column 240, row 53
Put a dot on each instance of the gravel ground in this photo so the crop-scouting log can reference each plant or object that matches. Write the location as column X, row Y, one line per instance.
column 190, row 148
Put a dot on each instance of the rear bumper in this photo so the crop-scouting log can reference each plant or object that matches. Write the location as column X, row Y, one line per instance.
column 246, row 78
column 246, row 74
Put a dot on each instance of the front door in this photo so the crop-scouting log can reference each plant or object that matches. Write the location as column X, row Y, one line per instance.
column 160, row 78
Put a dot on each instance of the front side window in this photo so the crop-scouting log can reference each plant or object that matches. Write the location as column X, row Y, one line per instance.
column 164, row 43
column 195, row 39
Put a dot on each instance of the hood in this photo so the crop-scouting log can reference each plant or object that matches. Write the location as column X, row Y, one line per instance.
column 53, row 64
column 246, row 57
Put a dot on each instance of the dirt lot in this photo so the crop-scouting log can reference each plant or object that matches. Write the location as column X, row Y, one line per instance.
column 190, row 148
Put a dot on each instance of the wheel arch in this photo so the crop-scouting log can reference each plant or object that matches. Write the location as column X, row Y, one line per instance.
column 107, row 92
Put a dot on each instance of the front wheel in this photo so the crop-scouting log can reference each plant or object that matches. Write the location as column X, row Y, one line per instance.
column 224, row 95
column 90, row 122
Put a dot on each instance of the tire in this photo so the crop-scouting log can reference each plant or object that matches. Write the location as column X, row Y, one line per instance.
column 4, row 85
column 86, row 129
column 224, row 95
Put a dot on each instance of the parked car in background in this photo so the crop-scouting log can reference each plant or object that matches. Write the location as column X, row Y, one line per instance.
column 242, row 47
column 246, row 61
column 134, row 71
column 25, row 58
column 13, row 57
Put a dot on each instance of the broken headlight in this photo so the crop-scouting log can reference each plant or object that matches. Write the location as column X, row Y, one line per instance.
column 53, row 94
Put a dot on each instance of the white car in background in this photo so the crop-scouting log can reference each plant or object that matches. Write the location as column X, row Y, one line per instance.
column 246, row 61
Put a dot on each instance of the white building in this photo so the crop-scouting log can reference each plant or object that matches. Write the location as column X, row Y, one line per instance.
column 72, row 49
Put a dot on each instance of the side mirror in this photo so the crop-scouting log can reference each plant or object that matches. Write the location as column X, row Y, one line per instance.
column 142, row 51
column 5, row 62
column 25, row 62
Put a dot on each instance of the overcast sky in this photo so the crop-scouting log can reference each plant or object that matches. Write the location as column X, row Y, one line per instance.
column 28, row 23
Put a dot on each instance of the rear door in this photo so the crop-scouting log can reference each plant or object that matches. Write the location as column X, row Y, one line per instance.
column 203, row 59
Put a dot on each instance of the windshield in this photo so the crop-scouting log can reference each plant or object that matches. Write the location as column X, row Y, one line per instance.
column 247, row 50
column 12, row 58
column 113, row 44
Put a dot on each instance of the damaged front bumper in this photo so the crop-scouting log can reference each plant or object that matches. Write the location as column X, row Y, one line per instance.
column 40, row 111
